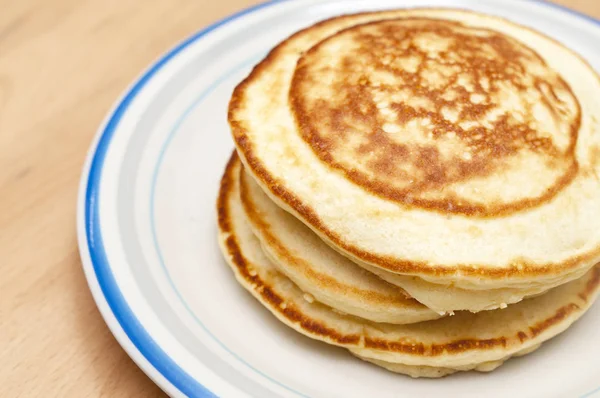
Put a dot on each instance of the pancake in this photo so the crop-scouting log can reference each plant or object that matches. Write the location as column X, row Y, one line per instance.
column 448, row 145
column 340, row 283
column 325, row 275
column 461, row 342
column 433, row 372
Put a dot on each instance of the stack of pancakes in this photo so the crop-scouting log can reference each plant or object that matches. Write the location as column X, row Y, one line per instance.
column 418, row 186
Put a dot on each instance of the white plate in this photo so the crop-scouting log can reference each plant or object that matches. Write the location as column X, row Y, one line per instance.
column 147, row 232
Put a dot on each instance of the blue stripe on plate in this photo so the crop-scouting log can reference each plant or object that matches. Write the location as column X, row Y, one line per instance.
column 122, row 312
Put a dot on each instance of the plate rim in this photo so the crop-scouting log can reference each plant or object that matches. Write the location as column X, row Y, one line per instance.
column 117, row 314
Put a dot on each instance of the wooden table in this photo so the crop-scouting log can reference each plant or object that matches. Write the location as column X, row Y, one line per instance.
column 62, row 64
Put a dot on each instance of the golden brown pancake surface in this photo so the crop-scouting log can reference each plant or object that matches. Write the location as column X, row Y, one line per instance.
column 426, row 112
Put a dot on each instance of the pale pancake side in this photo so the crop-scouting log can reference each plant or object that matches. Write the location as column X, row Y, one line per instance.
column 436, row 372
column 550, row 242
column 448, row 298
column 326, row 275
column 458, row 341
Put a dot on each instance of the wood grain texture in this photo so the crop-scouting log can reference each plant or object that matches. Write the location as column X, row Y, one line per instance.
column 62, row 65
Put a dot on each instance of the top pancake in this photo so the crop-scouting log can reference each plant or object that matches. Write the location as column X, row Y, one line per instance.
column 441, row 143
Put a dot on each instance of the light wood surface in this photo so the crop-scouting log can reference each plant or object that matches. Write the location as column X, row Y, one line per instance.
column 62, row 64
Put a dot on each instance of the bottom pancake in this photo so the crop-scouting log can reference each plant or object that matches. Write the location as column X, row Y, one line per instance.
column 435, row 348
column 435, row 372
